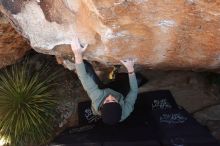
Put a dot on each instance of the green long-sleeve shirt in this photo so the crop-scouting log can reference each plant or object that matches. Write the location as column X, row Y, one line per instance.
column 98, row 95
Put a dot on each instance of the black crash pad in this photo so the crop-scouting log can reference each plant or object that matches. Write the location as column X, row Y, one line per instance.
column 134, row 131
column 156, row 100
column 146, row 126
column 177, row 126
column 101, row 133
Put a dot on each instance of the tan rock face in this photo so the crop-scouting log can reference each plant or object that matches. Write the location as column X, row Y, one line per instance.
column 12, row 45
column 165, row 34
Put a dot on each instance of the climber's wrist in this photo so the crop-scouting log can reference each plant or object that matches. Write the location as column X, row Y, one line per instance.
column 130, row 70
column 78, row 58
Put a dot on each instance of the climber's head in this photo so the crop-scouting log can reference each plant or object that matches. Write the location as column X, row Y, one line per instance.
column 111, row 110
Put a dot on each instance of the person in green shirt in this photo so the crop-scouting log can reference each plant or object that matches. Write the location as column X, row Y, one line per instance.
column 112, row 106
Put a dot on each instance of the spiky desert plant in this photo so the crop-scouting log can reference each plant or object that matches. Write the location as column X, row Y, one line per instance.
column 27, row 104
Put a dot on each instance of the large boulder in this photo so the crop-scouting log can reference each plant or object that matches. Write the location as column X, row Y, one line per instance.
column 165, row 34
column 12, row 45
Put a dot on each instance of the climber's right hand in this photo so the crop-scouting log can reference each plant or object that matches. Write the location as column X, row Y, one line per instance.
column 129, row 64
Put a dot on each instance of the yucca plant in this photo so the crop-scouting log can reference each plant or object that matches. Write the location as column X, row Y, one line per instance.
column 27, row 104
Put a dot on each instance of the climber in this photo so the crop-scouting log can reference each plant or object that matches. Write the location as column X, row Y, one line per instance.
column 107, row 103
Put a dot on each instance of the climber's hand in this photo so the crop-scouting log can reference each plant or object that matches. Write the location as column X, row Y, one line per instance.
column 77, row 48
column 129, row 64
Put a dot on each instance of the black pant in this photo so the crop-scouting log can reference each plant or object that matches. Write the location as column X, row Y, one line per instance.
column 120, row 83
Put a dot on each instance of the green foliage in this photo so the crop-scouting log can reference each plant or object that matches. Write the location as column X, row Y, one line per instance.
column 27, row 104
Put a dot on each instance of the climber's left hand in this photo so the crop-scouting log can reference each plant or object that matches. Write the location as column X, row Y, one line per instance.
column 78, row 50
column 76, row 47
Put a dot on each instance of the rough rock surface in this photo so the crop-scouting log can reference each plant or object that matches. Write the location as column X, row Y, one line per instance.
column 210, row 117
column 165, row 34
column 12, row 45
